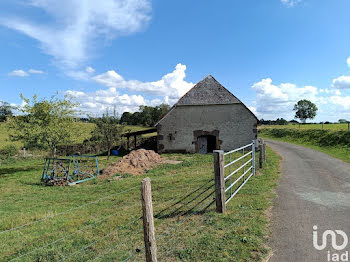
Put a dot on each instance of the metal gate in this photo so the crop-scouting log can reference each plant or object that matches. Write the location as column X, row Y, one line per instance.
column 232, row 170
column 247, row 168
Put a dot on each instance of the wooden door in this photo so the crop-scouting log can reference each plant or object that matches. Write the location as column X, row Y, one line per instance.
column 202, row 143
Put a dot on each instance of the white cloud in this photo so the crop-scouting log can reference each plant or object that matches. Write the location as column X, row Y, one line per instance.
column 22, row 73
column 348, row 61
column 341, row 101
column 73, row 26
column 89, row 70
column 100, row 101
column 19, row 73
column 342, row 82
column 290, row 3
column 171, row 85
column 330, row 91
column 274, row 101
column 253, row 109
column 166, row 90
column 277, row 100
column 34, row 71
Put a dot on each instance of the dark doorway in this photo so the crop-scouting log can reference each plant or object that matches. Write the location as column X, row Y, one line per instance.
column 206, row 144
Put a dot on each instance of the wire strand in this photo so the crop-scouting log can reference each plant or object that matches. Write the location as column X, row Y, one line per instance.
column 100, row 239
column 66, row 211
column 104, row 253
column 66, row 236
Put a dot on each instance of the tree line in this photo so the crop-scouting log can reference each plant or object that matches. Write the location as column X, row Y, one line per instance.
column 146, row 116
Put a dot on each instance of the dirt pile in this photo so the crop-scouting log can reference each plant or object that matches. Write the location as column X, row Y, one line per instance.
column 135, row 163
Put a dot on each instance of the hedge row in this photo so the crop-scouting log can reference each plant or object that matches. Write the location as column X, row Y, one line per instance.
column 319, row 137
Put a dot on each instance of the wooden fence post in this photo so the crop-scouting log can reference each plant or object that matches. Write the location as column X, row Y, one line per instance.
column 219, row 172
column 148, row 222
column 260, row 155
column 264, row 146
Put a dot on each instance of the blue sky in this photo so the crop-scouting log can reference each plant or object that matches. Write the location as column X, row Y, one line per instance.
column 128, row 53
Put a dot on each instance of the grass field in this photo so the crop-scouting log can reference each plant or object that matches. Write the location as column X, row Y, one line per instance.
column 333, row 142
column 82, row 132
column 187, row 227
column 334, row 127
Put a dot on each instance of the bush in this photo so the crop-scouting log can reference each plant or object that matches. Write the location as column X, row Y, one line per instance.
column 9, row 151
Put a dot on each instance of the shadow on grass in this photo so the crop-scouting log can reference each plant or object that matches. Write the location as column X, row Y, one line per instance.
column 39, row 184
column 13, row 170
column 191, row 202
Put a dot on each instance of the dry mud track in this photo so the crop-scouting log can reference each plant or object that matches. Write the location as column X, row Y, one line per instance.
column 314, row 189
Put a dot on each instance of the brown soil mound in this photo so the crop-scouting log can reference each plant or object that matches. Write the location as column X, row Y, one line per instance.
column 135, row 163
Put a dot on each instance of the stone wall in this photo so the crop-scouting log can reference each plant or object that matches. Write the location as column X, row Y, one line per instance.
column 233, row 125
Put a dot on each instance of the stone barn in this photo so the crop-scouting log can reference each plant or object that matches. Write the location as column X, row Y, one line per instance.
column 206, row 118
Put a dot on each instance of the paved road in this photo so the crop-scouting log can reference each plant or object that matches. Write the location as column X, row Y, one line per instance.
column 314, row 189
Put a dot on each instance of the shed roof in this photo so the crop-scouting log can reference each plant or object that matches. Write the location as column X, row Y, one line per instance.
column 208, row 91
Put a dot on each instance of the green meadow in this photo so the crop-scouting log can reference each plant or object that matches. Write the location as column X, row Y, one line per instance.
column 100, row 220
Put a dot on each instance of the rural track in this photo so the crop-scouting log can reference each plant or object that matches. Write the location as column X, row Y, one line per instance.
column 314, row 189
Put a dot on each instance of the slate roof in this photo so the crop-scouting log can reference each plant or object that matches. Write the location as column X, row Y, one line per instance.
column 208, row 91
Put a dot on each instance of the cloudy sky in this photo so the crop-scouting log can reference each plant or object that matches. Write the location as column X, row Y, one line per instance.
column 127, row 53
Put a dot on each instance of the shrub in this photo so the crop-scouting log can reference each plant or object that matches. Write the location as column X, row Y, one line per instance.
column 9, row 151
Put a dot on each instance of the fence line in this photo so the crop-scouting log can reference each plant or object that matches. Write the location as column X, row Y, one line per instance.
column 82, row 228
column 180, row 221
column 69, row 210
column 206, row 205
column 66, row 211
column 183, row 215
column 102, row 238
column 66, row 236
column 109, row 250
column 220, row 166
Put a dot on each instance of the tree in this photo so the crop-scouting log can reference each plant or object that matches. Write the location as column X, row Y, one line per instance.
column 146, row 116
column 44, row 123
column 5, row 111
column 126, row 118
column 160, row 112
column 281, row 121
column 342, row 121
column 108, row 130
column 305, row 109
